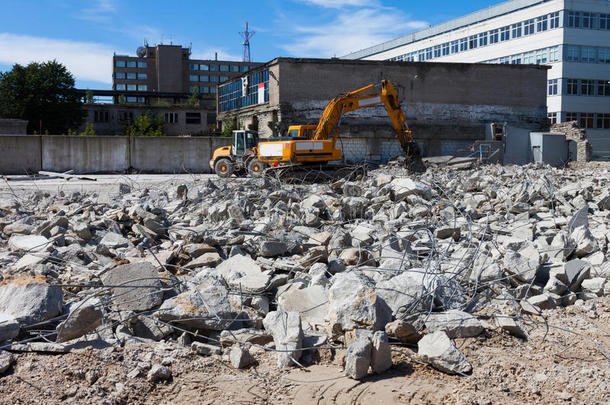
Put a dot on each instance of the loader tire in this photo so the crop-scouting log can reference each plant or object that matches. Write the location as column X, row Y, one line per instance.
column 223, row 167
column 256, row 168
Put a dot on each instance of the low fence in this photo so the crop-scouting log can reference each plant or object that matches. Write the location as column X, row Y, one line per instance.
column 106, row 154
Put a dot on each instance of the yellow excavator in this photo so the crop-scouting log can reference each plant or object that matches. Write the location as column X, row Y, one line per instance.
column 315, row 145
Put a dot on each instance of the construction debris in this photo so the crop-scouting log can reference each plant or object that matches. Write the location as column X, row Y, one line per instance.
column 239, row 267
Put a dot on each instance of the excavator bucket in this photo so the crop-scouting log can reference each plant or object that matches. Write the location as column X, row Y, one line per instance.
column 413, row 158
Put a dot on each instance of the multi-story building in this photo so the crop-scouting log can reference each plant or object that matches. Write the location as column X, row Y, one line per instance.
column 571, row 36
column 170, row 69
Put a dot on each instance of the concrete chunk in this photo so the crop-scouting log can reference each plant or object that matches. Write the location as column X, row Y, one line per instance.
column 287, row 335
column 30, row 299
column 381, row 353
column 456, row 324
column 358, row 359
column 123, row 278
column 439, row 351
column 83, row 317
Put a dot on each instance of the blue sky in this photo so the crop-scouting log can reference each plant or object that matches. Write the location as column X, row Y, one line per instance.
column 84, row 34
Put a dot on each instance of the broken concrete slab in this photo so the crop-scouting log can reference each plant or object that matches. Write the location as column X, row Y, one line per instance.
column 28, row 243
column 83, row 316
column 358, row 359
column 310, row 302
column 381, row 353
column 135, row 286
column 240, row 357
column 9, row 327
column 455, row 323
column 510, row 325
column 287, row 335
column 439, row 351
column 30, row 299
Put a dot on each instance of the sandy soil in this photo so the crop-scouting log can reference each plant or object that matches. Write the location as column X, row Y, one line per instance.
column 564, row 363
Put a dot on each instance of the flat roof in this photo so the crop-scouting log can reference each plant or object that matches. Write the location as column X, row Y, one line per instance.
column 451, row 25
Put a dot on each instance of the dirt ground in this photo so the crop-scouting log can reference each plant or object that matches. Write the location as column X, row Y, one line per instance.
column 568, row 362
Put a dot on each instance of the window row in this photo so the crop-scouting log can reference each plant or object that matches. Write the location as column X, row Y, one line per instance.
column 221, row 68
column 168, row 118
column 190, row 118
column 586, row 54
column 586, row 87
column 513, row 31
column 588, row 20
column 536, row 57
column 589, row 120
column 130, row 64
column 203, row 89
column 206, row 78
column 131, row 87
column 249, row 90
column 130, row 76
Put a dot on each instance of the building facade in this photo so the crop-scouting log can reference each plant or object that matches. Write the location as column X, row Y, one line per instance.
column 571, row 36
column 170, row 69
column 449, row 106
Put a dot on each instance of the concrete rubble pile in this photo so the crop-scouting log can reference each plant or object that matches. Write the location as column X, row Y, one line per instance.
column 232, row 267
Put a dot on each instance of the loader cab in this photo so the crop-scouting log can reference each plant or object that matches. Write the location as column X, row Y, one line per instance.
column 243, row 142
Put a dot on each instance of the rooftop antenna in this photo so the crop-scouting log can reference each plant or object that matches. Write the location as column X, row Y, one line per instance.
column 247, row 35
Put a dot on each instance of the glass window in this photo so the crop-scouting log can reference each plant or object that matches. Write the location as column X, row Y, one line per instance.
column 552, row 118
column 437, row 51
column 528, row 27
column 142, row 87
column 516, row 30
column 214, row 68
column 193, row 88
column 588, row 54
column 473, row 41
column 170, row 117
column 244, row 68
column 571, row 116
column 101, row 116
column 131, row 76
column 119, row 75
column 132, row 99
column 204, row 78
column 142, row 65
column 541, row 56
column 552, row 87
column 603, row 87
column 445, row 48
column 132, row 64
column 604, row 21
column 572, row 87
column 194, row 78
column 142, row 76
column 204, row 67
column 553, row 54
column 586, row 20
column 212, row 90
column 224, row 68
column 541, row 23
column 428, row 53
column 586, row 120
column 483, row 39
column 193, row 118
column 603, row 121
column 572, row 53
column 224, row 78
column 515, row 59
column 194, row 66
column 504, row 34
column 463, row 44
column 131, row 87
column 119, row 63
column 454, row 47
column 573, row 19
column 214, row 79
column 120, row 86
column 234, row 68
column 603, row 55
column 554, row 20
column 493, row 36
column 587, row 87
column 204, row 89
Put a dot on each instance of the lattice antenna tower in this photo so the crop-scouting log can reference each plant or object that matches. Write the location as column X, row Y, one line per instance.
column 246, row 35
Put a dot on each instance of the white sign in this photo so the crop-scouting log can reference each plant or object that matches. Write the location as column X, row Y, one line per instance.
column 270, row 149
column 261, row 93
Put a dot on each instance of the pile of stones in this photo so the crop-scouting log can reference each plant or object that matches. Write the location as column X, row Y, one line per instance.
column 306, row 270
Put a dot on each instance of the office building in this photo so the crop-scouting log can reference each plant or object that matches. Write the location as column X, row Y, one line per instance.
column 169, row 69
column 571, row 36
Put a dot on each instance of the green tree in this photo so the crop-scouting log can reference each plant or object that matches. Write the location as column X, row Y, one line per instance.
column 194, row 98
column 89, row 97
column 44, row 95
column 89, row 130
column 229, row 128
column 121, row 99
column 147, row 124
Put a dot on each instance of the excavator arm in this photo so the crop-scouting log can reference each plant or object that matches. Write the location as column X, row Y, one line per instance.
column 330, row 122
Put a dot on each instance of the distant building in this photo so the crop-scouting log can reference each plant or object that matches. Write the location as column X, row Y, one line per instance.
column 571, row 36
column 170, row 69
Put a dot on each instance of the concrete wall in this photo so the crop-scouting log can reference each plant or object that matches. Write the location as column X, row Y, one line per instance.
column 20, row 154
column 448, row 105
column 105, row 154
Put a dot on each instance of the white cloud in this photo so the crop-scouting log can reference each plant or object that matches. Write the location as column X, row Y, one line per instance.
column 101, row 11
column 85, row 60
column 341, row 3
column 351, row 31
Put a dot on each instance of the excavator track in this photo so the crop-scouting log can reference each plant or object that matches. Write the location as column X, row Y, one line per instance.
column 314, row 173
